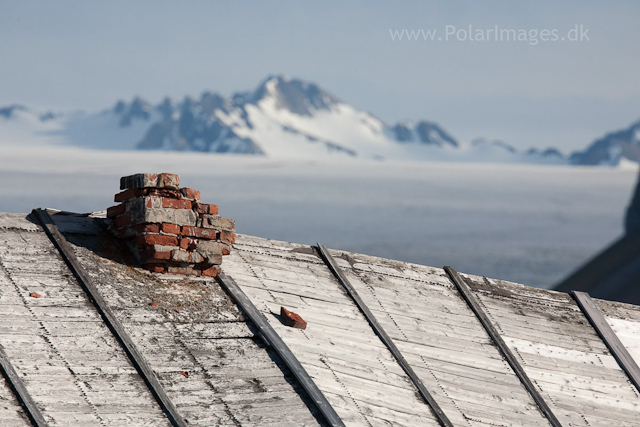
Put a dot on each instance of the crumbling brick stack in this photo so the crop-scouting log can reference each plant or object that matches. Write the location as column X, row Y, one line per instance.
column 168, row 227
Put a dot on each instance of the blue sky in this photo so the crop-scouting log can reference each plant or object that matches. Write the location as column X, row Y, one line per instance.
column 88, row 54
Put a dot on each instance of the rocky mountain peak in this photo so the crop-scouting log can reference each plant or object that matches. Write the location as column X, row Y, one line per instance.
column 295, row 95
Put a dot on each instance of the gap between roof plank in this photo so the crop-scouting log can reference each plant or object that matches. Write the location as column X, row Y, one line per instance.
column 606, row 333
column 136, row 358
column 384, row 337
column 473, row 303
column 273, row 340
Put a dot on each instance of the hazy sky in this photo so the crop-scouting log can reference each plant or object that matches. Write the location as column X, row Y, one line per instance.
column 88, row 54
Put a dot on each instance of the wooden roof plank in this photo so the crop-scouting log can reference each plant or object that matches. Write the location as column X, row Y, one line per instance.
column 441, row 366
column 321, row 352
column 465, row 291
column 599, row 323
column 269, row 335
column 426, row 395
column 110, row 319
column 20, row 391
column 573, row 374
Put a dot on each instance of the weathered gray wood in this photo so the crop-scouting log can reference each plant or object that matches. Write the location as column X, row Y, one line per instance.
column 340, row 339
column 16, row 221
column 426, row 395
column 229, row 370
column 20, row 391
column 504, row 349
column 599, row 323
column 111, row 321
column 577, row 375
column 269, row 335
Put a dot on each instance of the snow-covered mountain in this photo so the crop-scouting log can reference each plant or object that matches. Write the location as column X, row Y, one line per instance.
column 281, row 118
column 611, row 148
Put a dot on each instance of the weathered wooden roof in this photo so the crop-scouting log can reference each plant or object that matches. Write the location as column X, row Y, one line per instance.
column 216, row 368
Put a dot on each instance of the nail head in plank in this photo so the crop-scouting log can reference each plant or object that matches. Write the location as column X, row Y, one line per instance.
column 109, row 318
column 271, row 337
column 602, row 327
column 384, row 337
column 473, row 303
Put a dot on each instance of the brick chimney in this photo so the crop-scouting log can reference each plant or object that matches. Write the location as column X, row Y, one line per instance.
column 169, row 229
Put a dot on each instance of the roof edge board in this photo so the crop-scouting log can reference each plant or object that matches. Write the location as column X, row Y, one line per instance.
column 474, row 304
column 608, row 336
column 273, row 340
column 136, row 358
column 384, row 337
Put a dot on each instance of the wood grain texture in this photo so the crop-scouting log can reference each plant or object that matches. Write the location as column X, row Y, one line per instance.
column 20, row 391
column 353, row 368
column 109, row 318
column 438, row 333
column 573, row 369
column 618, row 350
column 79, row 375
column 384, row 337
column 269, row 335
column 233, row 379
column 479, row 311
column 61, row 347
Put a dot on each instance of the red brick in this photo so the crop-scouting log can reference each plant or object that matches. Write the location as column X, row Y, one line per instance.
column 140, row 192
column 157, row 239
column 207, row 233
column 189, row 244
column 150, row 254
column 175, row 204
column 211, row 271
column 200, row 207
column 123, row 221
column 146, row 228
column 153, row 202
column 292, row 319
column 226, row 250
column 190, row 193
column 201, row 233
column 189, row 231
column 162, row 192
column 125, row 195
column 228, row 237
column 116, row 210
column 170, row 228
column 205, row 208
column 154, row 267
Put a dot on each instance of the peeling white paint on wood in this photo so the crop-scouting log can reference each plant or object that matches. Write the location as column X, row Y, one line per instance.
column 562, row 354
